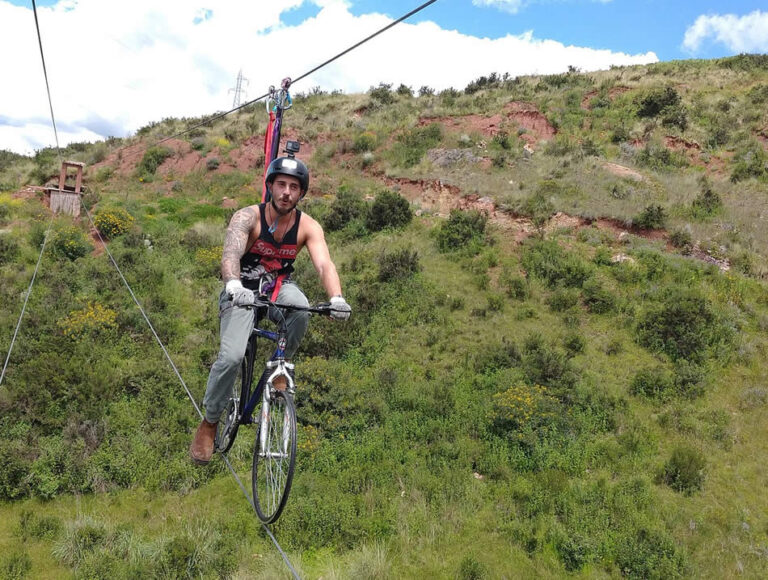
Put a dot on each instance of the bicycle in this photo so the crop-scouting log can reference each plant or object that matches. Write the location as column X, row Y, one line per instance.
column 274, row 455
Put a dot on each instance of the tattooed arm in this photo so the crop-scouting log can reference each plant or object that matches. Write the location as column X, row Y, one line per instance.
column 239, row 230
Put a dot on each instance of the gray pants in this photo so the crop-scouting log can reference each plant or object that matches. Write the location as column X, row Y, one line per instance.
column 236, row 325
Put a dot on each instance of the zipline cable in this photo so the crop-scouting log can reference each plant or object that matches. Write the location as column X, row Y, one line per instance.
column 183, row 384
column 141, row 309
column 47, row 86
column 26, row 299
column 305, row 75
column 50, row 223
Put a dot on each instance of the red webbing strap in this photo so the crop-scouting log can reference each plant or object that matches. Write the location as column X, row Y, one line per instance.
column 276, row 289
column 267, row 155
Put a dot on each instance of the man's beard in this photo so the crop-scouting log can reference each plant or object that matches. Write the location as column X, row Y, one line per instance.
column 278, row 211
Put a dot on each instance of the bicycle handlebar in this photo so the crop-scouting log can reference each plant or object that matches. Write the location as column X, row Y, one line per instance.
column 321, row 308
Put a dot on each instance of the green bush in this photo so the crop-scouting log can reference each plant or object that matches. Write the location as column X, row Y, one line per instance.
column 546, row 260
column 653, row 217
column 365, row 141
column 683, row 326
column 563, row 299
column 9, row 248
column 752, row 162
column 597, row 298
column 349, row 206
column 212, row 164
column 515, row 285
column 113, row 222
column 152, row 159
column 647, row 553
column 15, row 565
column 70, row 242
column 412, row 145
column 685, row 470
column 653, row 383
column 659, row 158
column 462, row 230
column 657, row 101
column 683, row 240
column 398, row 265
column 388, row 210
column 382, row 95
column 539, row 209
column 708, row 202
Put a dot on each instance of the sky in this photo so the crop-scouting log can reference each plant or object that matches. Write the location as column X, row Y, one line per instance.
column 115, row 66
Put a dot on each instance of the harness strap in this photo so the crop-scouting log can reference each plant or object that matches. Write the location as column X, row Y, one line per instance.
column 278, row 285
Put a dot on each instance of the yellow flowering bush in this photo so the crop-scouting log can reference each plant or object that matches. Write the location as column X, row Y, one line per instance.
column 113, row 222
column 208, row 260
column 70, row 242
column 93, row 319
column 309, row 440
column 522, row 407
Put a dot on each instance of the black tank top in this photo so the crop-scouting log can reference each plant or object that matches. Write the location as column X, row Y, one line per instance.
column 266, row 255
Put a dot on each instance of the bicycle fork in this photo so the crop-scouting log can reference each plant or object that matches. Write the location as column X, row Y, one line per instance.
column 281, row 368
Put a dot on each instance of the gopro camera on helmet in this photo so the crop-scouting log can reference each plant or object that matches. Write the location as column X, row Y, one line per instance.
column 292, row 148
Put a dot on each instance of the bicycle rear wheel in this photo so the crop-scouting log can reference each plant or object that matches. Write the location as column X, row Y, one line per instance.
column 229, row 420
column 274, row 461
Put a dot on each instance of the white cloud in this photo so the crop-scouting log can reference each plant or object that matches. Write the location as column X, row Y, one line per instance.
column 117, row 66
column 747, row 33
column 511, row 6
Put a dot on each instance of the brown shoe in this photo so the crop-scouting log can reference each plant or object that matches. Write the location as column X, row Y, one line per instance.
column 201, row 449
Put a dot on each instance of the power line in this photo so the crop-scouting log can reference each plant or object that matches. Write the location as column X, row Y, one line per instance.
column 305, row 75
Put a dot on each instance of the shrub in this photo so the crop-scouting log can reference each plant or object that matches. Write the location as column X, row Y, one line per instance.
column 114, row 222
column 752, row 162
column 656, row 101
column 462, row 230
column 546, row 260
column 683, row 326
column 9, row 248
column 93, row 319
column 412, row 145
column 653, row 383
column 597, row 298
column 153, row 158
column 647, row 553
column 708, row 202
column 563, row 299
column 471, row 569
column 683, row 240
column 522, row 407
column 347, row 207
column 15, row 565
column 574, row 343
column 365, row 141
column 212, row 164
column 398, row 265
column 389, row 210
column 513, row 283
column 684, row 472
column 70, row 242
column 404, row 90
column 659, row 158
column 208, row 260
column 382, row 95
column 653, row 217
column 539, row 209
column 426, row 91
column 545, row 364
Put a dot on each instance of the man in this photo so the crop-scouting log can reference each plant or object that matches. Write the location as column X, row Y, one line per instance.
column 261, row 244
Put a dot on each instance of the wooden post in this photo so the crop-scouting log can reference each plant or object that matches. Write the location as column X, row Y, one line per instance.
column 64, row 199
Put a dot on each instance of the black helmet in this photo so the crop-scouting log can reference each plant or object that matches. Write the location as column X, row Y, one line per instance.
column 289, row 166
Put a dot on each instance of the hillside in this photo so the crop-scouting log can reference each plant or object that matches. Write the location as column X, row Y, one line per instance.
column 555, row 364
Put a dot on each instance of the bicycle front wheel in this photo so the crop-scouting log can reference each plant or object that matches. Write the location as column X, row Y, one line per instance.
column 229, row 421
column 274, row 457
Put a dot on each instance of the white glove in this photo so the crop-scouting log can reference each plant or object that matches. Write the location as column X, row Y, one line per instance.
column 340, row 310
column 241, row 296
